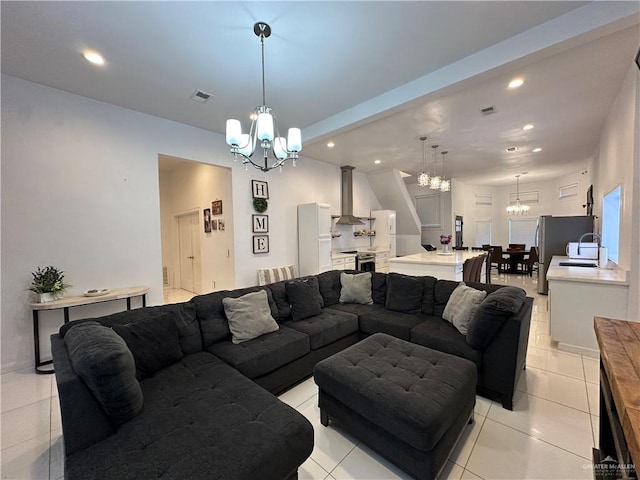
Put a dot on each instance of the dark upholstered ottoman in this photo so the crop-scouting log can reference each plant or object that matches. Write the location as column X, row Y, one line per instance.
column 408, row 402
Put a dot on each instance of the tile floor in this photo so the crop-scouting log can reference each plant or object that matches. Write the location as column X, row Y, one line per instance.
column 548, row 435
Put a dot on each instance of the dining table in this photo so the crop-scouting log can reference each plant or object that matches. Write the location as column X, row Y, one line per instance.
column 516, row 255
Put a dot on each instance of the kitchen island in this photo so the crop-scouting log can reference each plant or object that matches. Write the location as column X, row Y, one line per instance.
column 436, row 264
column 576, row 295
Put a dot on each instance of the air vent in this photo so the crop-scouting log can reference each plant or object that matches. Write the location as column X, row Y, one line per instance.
column 512, row 149
column 488, row 110
column 200, row 96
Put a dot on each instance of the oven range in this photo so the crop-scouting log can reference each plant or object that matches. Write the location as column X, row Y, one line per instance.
column 365, row 261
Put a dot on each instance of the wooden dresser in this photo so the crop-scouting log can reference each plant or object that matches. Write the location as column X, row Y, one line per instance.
column 619, row 343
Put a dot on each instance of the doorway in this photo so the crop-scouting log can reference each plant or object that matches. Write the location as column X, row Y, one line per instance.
column 189, row 257
column 459, row 224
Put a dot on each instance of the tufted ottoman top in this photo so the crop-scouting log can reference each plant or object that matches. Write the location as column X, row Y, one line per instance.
column 411, row 391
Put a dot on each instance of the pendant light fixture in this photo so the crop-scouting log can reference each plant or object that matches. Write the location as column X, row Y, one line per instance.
column 264, row 131
column 423, row 178
column 434, row 181
column 518, row 208
column 445, row 185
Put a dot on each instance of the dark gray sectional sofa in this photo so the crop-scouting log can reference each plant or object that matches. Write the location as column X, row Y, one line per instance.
column 208, row 408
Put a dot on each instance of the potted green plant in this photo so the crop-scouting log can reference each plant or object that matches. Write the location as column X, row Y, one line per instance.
column 48, row 283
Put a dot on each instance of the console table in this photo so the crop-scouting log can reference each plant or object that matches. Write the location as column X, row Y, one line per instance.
column 75, row 301
column 619, row 441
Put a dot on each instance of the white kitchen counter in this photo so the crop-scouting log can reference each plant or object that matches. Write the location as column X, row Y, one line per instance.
column 576, row 295
column 446, row 267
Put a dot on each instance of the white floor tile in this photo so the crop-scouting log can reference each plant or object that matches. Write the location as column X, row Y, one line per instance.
column 593, row 393
column 541, row 341
column 56, row 461
column 591, row 369
column 300, row 393
column 25, row 423
column 362, row 463
column 310, row 470
column 451, row 471
column 467, row 441
column 595, row 428
column 331, row 445
column 467, row 475
column 24, row 389
column 504, row 453
column 554, row 387
column 27, row 460
column 556, row 424
column 482, row 406
column 554, row 361
column 56, row 417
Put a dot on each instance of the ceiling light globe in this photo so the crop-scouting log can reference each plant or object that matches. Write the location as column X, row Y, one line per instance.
column 434, row 182
column 423, row 179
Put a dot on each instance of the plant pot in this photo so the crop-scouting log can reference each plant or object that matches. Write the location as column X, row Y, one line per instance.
column 446, row 248
column 49, row 297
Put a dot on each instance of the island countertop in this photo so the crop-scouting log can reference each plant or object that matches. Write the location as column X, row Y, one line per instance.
column 613, row 276
column 457, row 257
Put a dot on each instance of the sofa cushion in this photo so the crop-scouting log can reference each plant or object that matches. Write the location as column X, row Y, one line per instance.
column 379, row 287
column 210, row 312
column 304, row 297
column 279, row 294
column 404, row 293
column 356, row 308
column 327, row 327
column 428, row 295
column 492, row 313
column 356, row 288
column 202, row 420
column 382, row 320
column 441, row 292
column 329, row 285
column 106, row 365
column 249, row 316
column 462, row 306
column 184, row 315
column 154, row 343
column 440, row 335
column 264, row 354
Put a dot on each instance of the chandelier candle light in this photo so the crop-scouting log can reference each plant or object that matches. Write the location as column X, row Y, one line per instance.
column 264, row 129
column 518, row 208
column 423, row 178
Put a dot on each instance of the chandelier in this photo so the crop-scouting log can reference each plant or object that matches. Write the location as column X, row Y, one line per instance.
column 445, row 185
column 423, row 178
column 434, row 181
column 264, row 131
column 518, row 208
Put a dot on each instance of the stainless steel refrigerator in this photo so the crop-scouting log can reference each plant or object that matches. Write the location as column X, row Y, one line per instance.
column 553, row 234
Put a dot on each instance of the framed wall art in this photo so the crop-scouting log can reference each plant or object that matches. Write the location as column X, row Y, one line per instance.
column 214, row 224
column 221, row 224
column 259, row 189
column 216, row 207
column 260, row 223
column 207, row 220
column 261, row 244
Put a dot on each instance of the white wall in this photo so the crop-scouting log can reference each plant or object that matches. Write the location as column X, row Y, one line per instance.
column 617, row 163
column 191, row 187
column 80, row 190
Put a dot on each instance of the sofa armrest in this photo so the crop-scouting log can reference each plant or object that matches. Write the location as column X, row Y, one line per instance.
column 84, row 422
column 504, row 358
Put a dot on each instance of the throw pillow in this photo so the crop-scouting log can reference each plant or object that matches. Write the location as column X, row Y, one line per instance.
column 404, row 293
column 462, row 306
column 304, row 297
column 249, row 316
column 356, row 288
column 492, row 313
column 154, row 343
column 106, row 365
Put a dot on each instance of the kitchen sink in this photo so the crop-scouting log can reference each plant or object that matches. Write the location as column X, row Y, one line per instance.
column 577, row 263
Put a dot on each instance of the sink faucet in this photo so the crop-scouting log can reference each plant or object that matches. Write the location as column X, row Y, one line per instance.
column 594, row 235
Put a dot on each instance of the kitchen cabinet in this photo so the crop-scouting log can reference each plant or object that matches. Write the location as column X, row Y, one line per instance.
column 343, row 262
column 314, row 238
column 382, row 262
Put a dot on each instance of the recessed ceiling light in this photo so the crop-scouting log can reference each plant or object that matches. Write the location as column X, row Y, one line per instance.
column 528, row 126
column 536, row 150
column 516, row 82
column 377, row 161
column 93, row 57
column 331, row 144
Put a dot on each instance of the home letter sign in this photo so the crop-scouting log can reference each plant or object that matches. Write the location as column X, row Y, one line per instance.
column 261, row 244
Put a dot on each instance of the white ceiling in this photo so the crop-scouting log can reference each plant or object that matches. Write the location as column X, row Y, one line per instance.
column 371, row 76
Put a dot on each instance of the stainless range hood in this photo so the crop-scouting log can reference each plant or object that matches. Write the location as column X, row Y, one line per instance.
column 346, row 215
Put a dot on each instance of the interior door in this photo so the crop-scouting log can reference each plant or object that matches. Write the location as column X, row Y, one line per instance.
column 189, row 251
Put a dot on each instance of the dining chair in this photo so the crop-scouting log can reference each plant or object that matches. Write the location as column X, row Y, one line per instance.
column 461, row 248
column 517, row 246
column 467, row 270
column 497, row 258
column 476, row 269
column 531, row 262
